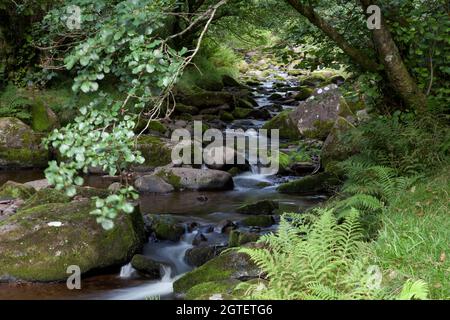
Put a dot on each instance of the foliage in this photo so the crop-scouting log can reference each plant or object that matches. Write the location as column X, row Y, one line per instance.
column 322, row 260
column 99, row 137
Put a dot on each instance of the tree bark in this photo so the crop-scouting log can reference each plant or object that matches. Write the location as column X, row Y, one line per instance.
column 358, row 56
column 396, row 71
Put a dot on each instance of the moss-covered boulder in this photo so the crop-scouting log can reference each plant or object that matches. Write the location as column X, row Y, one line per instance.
column 164, row 227
column 156, row 151
column 146, row 266
column 318, row 183
column 334, row 148
column 229, row 266
column 238, row 238
column 20, row 146
column 287, row 127
column 226, row 116
column 199, row 255
column 182, row 108
column 45, row 196
column 259, row 208
column 43, row 119
column 196, row 179
column 16, row 190
column 40, row 243
column 303, row 93
column 241, row 113
column 212, row 289
column 263, row 221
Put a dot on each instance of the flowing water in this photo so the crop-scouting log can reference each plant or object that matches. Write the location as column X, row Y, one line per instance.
column 204, row 208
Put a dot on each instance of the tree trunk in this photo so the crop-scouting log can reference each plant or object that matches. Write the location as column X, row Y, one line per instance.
column 396, row 71
column 358, row 56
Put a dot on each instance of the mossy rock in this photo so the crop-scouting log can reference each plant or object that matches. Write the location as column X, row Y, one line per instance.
column 165, row 227
column 228, row 266
column 207, row 99
column 45, row 196
column 344, row 109
column 319, row 183
column 89, row 192
column 234, row 171
column 238, row 238
column 258, row 208
column 262, row 221
column 43, row 119
column 321, row 130
column 156, row 151
column 244, row 104
column 33, row 249
column 16, row 190
column 207, row 290
column 20, row 146
column 287, row 127
column 226, row 116
column 303, row 93
column 182, row 108
column 146, row 266
column 241, row 113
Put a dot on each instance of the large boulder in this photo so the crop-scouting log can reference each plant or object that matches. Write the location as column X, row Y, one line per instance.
column 20, row 146
column 283, row 122
column 16, row 190
column 40, row 243
column 146, row 266
column 315, row 116
column 263, row 207
column 164, row 227
column 199, row 255
column 196, row 179
column 309, row 185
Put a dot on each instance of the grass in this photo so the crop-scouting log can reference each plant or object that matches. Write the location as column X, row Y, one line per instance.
column 414, row 241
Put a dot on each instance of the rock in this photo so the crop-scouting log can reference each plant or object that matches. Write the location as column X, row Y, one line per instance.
column 146, row 266
column 182, row 108
column 198, row 256
column 262, row 221
column 38, row 184
column 322, row 107
column 165, row 227
column 207, row 99
column 318, row 183
column 287, row 127
column 115, row 187
column 225, row 226
column 259, row 208
column 9, row 207
column 245, row 104
column 215, row 110
column 152, row 184
column 230, row 266
column 302, row 168
column 19, row 146
column 226, row 116
column 303, row 93
column 333, row 148
column 241, row 113
column 260, row 114
column 229, row 81
column 40, row 243
column 213, row 290
column 220, row 158
column 89, row 192
column 156, row 151
column 45, row 196
column 16, row 190
column 43, row 119
column 239, row 238
column 196, row 179
column 275, row 96
column 339, row 80
column 198, row 239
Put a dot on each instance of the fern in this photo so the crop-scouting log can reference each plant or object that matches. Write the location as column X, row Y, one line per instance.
column 324, row 260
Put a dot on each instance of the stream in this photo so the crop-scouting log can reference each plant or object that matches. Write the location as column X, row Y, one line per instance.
column 123, row 283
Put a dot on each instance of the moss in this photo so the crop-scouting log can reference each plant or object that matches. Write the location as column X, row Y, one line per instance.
column 226, row 116
column 45, row 196
column 286, row 126
column 157, row 126
column 241, row 113
column 165, row 227
column 24, row 157
column 33, row 251
column 170, row 178
column 155, row 151
column 89, row 192
column 262, row 221
column 344, row 108
column 244, row 104
column 221, row 268
column 182, row 108
column 40, row 117
column 238, row 238
column 303, row 94
column 204, row 291
column 319, row 183
column 16, row 190
column 260, row 207
column 322, row 129
column 147, row 266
